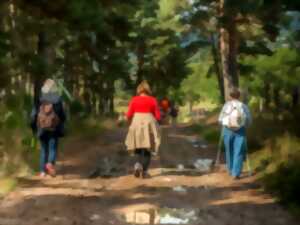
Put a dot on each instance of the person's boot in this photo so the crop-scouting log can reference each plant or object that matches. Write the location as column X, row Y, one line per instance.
column 138, row 170
column 236, row 177
column 50, row 169
column 42, row 174
column 145, row 175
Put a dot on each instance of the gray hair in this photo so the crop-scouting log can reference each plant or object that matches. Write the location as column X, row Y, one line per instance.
column 49, row 86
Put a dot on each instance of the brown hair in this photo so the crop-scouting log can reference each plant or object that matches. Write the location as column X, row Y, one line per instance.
column 235, row 93
column 143, row 88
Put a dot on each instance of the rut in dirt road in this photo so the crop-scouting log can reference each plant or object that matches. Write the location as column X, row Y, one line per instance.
column 176, row 193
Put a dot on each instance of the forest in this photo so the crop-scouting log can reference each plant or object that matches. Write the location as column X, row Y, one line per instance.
column 192, row 51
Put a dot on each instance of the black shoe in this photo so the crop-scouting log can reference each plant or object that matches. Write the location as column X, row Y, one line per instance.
column 146, row 175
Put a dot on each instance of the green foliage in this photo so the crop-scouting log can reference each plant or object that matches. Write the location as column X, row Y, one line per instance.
column 88, row 127
column 197, row 86
column 274, row 146
column 18, row 147
column 4, row 45
column 209, row 133
column 6, row 185
column 102, row 49
column 284, row 183
column 282, row 70
column 77, row 109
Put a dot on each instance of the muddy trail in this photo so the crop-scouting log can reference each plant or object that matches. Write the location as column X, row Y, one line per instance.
column 95, row 186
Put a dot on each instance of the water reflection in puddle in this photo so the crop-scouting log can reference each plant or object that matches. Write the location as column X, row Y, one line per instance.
column 163, row 216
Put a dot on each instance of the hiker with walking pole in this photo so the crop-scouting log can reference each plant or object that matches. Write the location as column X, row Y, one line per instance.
column 47, row 121
column 235, row 117
column 144, row 134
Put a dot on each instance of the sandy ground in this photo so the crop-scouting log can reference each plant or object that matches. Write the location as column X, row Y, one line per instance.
column 73, row 199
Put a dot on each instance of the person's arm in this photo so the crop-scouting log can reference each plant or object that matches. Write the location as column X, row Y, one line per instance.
column 222, row 114
column 33, row 118
column 130, row 111
column 61, row 112
column 248, row 115
column 156, row 110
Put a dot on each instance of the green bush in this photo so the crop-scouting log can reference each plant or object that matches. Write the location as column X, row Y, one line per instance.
column 211, row 135
column 285, row 183
column 77, row 109
column 208, row 132
column 18, row 146
column 197, row 128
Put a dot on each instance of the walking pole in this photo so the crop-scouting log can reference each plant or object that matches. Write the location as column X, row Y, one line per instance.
column 249, row 169
column 217, row 161
column 62, row 162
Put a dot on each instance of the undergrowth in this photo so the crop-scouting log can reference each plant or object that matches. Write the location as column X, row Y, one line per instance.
column 19, row 147
column 274, row 143
column 274, row 149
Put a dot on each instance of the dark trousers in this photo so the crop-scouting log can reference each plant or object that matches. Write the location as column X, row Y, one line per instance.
column 143, row 156
column 48, row 151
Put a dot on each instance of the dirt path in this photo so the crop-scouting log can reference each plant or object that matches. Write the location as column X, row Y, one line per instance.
column 73, row 199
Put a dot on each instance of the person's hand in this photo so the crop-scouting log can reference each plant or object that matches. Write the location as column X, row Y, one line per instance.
column 129, row 121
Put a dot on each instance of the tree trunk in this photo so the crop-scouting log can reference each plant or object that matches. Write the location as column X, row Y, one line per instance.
column 94, row 103
column 266, row 94
column 112, row 106
column 16, row 41
column 228, row 50
column 5, row 76
column 276, row 97
column 101, row 105
column 68, row 71
column 141, row 61
column 217, row 66
column 87, row 95
column 261, row 105
column 190, row 107
column 39, row 76
column 295, row 97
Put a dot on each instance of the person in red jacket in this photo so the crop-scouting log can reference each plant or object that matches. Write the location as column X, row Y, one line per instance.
column 144, row 134
column 165, row 107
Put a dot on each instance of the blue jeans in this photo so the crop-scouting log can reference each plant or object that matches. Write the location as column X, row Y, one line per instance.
column 48, row 151
column 235, row 150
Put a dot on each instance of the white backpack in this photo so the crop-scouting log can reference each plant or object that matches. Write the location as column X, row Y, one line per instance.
column 235, row 116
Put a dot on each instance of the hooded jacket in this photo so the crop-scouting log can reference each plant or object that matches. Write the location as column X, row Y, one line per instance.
column 56, row 100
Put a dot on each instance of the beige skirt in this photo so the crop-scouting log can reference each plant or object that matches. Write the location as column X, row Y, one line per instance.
column 144, row 132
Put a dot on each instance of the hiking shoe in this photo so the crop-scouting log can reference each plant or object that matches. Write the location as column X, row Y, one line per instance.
column 138, row 170
column 146, row 175
column 50, row 169
column 42, row 175
column 236, row 177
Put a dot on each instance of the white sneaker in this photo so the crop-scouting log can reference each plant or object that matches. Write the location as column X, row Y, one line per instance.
column 42, row 174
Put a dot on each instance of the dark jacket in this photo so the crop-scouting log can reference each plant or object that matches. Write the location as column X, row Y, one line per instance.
column 56, row 100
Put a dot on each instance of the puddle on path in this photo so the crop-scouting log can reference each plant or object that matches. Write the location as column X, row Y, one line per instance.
column 163, row 216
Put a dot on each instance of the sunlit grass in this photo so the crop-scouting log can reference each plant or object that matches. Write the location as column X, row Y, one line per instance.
column 275, row 156
column 185, row 116
column 7, row 185
column 274, row 149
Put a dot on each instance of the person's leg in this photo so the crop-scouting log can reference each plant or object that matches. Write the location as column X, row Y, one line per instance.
column 53, row 141
column 146, row 159
column 138, row 162
column 228, row 139
column 239, row 155
column 43, row 154
column 138, row 156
